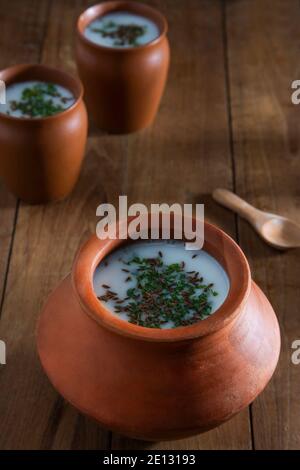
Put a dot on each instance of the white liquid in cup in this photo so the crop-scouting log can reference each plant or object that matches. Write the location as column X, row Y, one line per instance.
column 104, row 30
column 14, row 94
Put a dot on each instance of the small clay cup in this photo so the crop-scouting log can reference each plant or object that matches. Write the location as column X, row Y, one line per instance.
column 41, row 158
column 123, row 86
column 159, row 384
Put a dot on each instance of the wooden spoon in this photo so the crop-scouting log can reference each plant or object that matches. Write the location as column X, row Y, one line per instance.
column 277, row 231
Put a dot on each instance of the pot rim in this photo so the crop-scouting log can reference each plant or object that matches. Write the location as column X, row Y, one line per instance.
column 95, row 11
column 66, row 79
column 217, row 243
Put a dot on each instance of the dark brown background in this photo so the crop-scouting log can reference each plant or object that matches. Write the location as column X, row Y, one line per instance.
column 226, row 120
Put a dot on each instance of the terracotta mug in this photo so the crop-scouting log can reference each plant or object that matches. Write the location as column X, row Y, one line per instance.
column 123, row 86
column 41, row 158
column 156, row 384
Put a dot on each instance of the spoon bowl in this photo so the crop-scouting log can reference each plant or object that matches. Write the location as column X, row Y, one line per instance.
column 279, row 232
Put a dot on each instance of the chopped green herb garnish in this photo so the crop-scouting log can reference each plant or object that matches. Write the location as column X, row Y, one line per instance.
column 123, row 35
column 163, row 293
column 37, row 101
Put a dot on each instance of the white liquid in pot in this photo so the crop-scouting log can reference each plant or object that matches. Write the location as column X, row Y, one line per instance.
column 113, row 271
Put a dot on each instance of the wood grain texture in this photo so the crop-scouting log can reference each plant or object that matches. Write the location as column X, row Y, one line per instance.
column 20, row 41
column 263, row 52
column 33, row 415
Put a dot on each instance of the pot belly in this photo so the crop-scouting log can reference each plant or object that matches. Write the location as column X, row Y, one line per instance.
column 156, row 390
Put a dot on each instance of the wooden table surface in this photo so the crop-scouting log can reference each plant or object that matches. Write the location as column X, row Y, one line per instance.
column 226, row 120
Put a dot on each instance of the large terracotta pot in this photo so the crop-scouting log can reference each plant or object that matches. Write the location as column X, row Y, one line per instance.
column 159, row 384
column 123, row 86
column 40, row 158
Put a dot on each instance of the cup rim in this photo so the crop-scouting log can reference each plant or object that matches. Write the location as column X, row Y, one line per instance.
column 13, row 71
column 97, row 10
column 217, row 243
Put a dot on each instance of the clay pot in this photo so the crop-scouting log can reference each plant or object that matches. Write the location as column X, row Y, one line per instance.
column 159, row 384
column 123, row 86
column 41, row 158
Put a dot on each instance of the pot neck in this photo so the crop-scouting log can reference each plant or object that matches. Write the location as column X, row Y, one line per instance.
column 217, row 243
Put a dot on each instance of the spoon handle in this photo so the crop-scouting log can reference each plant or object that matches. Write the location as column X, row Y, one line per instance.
column 235, row 203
